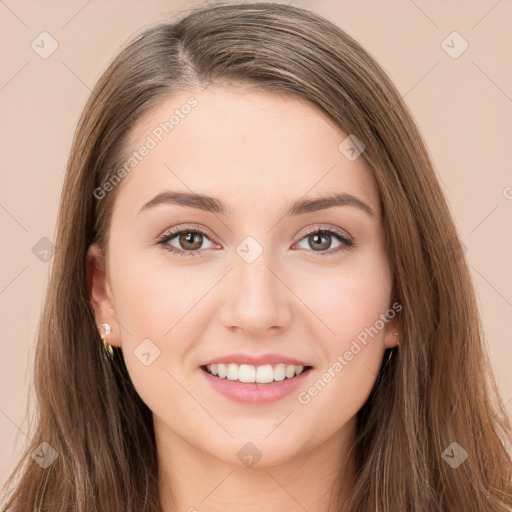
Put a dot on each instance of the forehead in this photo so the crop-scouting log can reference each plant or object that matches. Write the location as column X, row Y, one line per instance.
column 246, row 147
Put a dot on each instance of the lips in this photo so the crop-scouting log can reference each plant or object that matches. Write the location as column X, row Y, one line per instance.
column 257, row 360
column 254, row 393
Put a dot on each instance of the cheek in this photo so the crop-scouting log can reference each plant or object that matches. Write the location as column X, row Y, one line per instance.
column 352, row 348
column 352, row 297
column 151, row 296
column 154, row 305
column 354, row 306
column 151, row 305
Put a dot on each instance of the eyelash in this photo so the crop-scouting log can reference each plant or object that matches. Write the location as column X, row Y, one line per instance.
column 347, row 243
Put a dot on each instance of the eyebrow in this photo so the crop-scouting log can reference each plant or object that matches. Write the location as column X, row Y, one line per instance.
column 214, row 205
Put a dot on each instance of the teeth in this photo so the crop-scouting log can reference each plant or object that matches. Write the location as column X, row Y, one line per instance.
column 259, row 374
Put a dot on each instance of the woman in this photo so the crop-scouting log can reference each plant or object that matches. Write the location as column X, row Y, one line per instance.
column 258, row 296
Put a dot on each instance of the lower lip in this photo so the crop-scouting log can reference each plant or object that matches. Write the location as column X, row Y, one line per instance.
column 254, row 393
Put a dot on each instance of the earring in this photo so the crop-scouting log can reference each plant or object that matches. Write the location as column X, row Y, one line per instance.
column 109, row 351
column 395, row 334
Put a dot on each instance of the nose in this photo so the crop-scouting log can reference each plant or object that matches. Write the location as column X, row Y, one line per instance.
column 256, row 300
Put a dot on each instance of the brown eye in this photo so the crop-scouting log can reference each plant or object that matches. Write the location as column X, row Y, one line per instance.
column 320, row 240
column 190, row 240
column 187, row 242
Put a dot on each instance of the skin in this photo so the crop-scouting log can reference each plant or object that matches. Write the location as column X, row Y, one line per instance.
column 257, row 152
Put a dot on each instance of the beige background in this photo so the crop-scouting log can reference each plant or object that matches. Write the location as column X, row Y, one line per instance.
column 462, row 105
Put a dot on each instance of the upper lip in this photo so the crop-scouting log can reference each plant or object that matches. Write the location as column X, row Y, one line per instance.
column 257, row 360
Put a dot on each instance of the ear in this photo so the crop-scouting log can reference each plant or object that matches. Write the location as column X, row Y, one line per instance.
column 100, row 294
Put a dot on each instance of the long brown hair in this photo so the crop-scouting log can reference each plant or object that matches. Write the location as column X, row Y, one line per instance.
column 436, row 389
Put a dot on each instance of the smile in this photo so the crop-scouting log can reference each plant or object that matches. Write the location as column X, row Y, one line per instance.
column 248, row 373
column 263, row 384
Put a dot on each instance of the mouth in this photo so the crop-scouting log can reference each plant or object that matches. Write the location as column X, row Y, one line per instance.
column 251, row 374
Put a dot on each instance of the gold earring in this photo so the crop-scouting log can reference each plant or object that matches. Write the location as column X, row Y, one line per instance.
column 395, row 334
column 109, row 351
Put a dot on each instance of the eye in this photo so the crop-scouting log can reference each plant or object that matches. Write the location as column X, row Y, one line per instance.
column 320, row 239
column 189, row 241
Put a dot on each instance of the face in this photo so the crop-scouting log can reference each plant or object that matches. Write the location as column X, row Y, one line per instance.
column 257, row 275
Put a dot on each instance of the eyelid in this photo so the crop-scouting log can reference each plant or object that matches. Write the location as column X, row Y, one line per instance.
column 198, row 227
column 184, row 227
column 322, row 227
